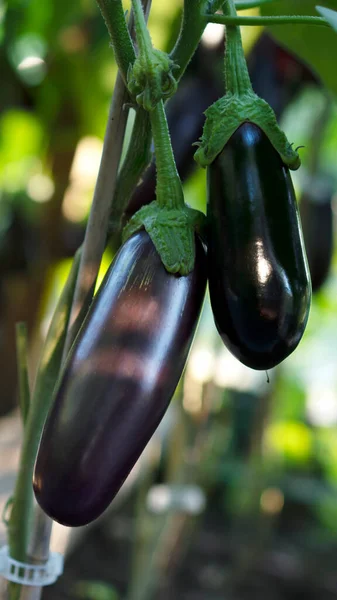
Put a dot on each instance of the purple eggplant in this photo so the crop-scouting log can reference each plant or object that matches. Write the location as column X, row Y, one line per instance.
column 118, row 381
column 259, row 281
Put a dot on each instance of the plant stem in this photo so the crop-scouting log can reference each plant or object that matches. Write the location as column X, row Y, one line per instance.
column 137, row 158
column 38, row 550
column 192, row 27
column 97, row 227
column 142, row 33
column 169, row 191
column 237, row 79
column 266, row 21
column 22, row 354
column 114, row 17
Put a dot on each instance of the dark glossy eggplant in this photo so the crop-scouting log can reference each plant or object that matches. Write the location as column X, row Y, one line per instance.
column 124, row 367
column 258, row 275
column 317, row 221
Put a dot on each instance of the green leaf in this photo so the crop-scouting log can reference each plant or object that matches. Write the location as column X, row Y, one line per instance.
column 329, row 15
column 317, row 46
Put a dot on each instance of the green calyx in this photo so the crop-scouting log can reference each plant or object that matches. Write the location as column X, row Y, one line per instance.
column 226, row 115
column 150, row 78
column 239, row 105
column 172, row 230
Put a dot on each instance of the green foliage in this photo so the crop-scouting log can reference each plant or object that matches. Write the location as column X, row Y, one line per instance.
column 21, row 146
column 21, row 136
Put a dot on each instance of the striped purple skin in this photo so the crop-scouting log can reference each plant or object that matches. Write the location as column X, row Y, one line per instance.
column 124, row 367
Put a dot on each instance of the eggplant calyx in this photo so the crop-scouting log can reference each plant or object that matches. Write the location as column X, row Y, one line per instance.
column 172, row 232
column 226, row 115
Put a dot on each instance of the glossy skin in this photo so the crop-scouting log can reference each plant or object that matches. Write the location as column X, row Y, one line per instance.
column 124, row 368
column 317, row 221
column 258, row 276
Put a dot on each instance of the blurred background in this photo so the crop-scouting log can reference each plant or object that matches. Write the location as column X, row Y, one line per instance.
column 236, row 495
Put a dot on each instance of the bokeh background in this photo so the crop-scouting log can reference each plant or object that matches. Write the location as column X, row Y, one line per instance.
column 236, row 495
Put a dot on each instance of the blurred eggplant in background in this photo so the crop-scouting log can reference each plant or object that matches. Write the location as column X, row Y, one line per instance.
column 276, row 75
column 316, row 210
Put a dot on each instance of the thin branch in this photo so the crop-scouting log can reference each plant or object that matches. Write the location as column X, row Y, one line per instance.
column 23, row 377
column 192, row 27
column 96, row 232
column 137, row 158
column 114, row 17
column 266, row 21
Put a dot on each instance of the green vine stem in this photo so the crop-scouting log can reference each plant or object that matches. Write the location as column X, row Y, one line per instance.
column 237, row 78
column 169, row 191
column 142, row 33
column 266, row 21
column 23, row 376
column 138, row 155
column 150, row 77
column 114, row 17
column 168, row 221
column 137, row 158
column 192, row 27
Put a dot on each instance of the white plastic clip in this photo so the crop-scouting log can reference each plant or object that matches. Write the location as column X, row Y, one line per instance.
column 28, row 574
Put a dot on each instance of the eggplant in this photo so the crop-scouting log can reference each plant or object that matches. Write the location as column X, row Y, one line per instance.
column 259, row 280
column 118, row 381
column 318, row 223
